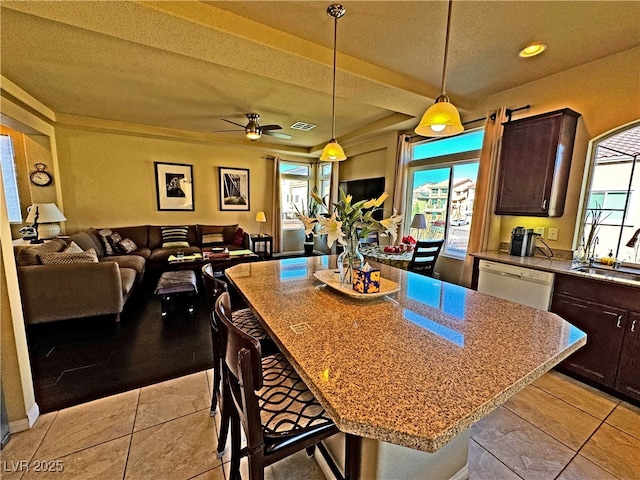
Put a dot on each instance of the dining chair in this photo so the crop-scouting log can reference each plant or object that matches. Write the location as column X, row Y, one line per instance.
column 372, row 237
column 246, row 321
column 425, row 255
column 272, row 404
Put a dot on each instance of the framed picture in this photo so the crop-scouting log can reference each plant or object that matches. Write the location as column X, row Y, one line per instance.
column 234, row 188
column 174, row 186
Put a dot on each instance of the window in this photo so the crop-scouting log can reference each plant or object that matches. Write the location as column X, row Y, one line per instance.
column 294, row 191
column 442, row 185
column 9, row 179
column 613, row 188
column 297, row 180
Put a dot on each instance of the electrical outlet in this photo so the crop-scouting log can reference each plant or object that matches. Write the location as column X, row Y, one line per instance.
column 552, row 234
column 539, row 231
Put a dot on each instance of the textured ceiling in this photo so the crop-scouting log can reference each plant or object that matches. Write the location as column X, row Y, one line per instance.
column 186, row 65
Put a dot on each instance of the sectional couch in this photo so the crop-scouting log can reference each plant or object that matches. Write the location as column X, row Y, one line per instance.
column 102, row 286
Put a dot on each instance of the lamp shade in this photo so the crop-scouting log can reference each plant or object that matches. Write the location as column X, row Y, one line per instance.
column 261, row 217
column 419, row 221
column 440, row 120
column 48, row 213
column 333, row 152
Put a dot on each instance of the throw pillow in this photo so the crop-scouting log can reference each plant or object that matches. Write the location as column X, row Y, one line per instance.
column 127, row 246
column 174, row 237
column 62, row 258
column 114, row 239
column 31, row 255
column 209, row 239
column 238, row 238
column 224, row 235
column 73, row 248
column 106, row 244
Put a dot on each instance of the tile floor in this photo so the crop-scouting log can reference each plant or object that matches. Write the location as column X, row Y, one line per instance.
column 555, row 428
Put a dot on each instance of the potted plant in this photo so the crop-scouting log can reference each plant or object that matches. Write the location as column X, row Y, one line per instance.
column 311, row 211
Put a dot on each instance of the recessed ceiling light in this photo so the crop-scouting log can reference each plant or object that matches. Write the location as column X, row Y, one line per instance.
column 304, row 126
column 532, row 50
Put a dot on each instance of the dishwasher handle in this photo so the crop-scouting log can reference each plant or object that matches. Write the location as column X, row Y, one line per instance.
column 512, row 275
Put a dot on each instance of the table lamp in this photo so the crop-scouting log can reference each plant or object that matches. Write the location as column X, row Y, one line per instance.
column 41, row 214
column 261, row 218
column 419, row 223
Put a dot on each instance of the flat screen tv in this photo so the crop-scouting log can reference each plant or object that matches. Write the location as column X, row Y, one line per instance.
column 365, row 189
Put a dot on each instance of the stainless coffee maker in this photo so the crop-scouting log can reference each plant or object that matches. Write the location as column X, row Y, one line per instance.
column 523, row 242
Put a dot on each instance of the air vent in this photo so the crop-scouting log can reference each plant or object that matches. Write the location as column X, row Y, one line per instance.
column 304, row 126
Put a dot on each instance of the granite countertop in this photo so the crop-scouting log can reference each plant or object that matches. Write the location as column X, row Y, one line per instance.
column 554, row 265
column 413, row 368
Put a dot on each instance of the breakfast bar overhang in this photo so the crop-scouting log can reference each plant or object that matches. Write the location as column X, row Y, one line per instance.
column 409, row 372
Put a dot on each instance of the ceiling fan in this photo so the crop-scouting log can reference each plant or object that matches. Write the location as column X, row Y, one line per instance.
column 253, row 130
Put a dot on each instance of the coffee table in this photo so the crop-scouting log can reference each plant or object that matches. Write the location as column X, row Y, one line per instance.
column 219, row 262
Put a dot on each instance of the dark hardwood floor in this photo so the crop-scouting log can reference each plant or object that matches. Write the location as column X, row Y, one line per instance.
column 75, row 361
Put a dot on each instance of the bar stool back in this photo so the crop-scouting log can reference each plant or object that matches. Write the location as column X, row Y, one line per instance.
column 245, row 320
column 274, row 407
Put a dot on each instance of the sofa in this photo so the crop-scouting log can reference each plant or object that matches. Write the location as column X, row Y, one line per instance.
column 88, row 274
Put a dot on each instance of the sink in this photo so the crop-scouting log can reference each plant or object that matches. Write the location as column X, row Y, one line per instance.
column 610, row 273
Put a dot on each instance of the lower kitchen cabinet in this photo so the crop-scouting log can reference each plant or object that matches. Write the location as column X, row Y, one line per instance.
column 604, row 311
column 605, row 328
column 628, row 378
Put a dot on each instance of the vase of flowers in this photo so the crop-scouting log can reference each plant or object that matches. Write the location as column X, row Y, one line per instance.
column 349, row 259
column 347, row 224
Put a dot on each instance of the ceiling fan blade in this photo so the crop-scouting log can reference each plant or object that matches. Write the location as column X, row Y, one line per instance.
column 229, row 121
column 284, row 136
column 221, row 131
column 270, row 127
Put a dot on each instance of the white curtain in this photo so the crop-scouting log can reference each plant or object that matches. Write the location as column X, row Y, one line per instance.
column 485, row 226
column 403, row 157
column 275, row 207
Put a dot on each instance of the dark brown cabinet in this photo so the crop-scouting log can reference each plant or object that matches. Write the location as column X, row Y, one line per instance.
column 604, row 326
column 608, row 314
column 535, row 159
column 628, row 378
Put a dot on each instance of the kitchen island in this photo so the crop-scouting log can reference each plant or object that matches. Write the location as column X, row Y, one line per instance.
column 411, row 371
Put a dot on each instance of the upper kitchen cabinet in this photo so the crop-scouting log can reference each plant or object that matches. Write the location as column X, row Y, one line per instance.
column 534, row 164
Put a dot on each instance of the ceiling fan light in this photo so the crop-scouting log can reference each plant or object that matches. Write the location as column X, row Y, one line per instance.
column 333, row 152
column 253, row 135
column 440, row 120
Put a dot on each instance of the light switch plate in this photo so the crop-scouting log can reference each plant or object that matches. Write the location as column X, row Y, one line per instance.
column 552, row 234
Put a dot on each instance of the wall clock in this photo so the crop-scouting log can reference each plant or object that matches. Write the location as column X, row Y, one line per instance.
column 40, row 177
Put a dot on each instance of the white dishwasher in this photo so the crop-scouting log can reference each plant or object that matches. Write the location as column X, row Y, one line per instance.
column 518, row 284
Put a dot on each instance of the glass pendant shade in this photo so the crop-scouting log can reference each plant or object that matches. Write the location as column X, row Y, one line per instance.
column 333, row 152
column 440, row 120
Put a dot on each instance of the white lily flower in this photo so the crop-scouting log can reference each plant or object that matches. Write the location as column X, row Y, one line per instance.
column 391, row 225
column 308, row 223
column 332, row 227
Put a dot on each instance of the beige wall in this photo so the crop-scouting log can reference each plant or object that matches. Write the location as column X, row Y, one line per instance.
column 109, row 180
column 607, row 94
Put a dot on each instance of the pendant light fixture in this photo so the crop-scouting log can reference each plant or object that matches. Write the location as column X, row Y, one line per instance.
column 441, row 119
column 333, row 152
